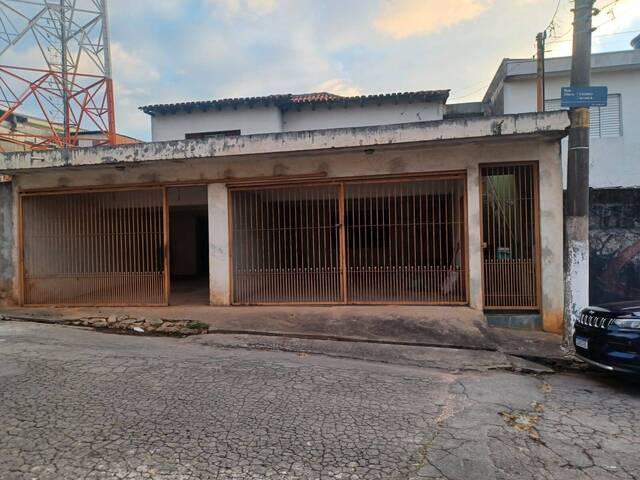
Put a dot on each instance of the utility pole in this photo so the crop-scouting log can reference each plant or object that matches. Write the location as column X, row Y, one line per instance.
column 576, row 223
column 540, row 38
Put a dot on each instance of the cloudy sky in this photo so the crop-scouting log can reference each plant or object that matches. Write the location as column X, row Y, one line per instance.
column 176, row 50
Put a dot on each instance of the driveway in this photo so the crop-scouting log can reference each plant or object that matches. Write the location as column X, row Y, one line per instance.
column 78, row 404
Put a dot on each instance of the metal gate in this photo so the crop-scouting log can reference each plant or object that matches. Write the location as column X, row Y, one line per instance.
column 98, row 248
column 286, row 245
column 352, row 242
column 510, row 236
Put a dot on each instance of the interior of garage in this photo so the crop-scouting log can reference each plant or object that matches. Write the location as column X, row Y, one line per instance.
column 188, row 245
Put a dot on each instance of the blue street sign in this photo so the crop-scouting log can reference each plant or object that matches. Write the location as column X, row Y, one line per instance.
column 584, row 97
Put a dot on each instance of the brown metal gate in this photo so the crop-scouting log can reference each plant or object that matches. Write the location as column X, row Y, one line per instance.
column 510, row 236
column 286, row 245
column 97, row 248
column 356, row 242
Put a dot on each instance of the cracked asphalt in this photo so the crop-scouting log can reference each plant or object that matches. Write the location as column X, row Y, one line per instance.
column 78, row 404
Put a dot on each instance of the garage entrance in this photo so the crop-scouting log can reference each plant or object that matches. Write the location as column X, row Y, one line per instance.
column 96, row 248
column 400, row 241
column 188, row 245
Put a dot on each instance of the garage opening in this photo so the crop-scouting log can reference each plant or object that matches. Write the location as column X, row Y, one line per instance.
column 189, row 245
column 405, row 242
column 96, row 248
column 356, row 242
column 286, row 245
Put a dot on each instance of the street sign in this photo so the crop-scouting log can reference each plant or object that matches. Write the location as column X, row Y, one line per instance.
column 583, row 97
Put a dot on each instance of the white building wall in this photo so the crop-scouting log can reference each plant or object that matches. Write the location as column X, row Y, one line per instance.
column 614, row 161
column 248, row 120
column 271, row 120
column 323, row 117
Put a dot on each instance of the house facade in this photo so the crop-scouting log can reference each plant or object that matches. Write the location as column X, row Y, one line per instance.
column 614, row 158
column 450, row 211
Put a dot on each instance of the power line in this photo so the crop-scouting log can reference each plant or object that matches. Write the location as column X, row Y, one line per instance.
column 599, row 36
column 472, row 93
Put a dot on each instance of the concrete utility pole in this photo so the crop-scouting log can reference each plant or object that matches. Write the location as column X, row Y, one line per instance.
column 540, row 38
column 576, row 223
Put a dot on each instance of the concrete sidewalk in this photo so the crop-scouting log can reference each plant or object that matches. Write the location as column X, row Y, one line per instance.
column 453, row 327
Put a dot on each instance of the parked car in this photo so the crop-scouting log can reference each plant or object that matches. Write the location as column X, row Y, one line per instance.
column 608, row 337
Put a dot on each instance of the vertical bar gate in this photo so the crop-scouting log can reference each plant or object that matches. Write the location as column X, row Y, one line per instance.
column 99, row 248
column 286, row 245
column 510, row 236
column 361, row 242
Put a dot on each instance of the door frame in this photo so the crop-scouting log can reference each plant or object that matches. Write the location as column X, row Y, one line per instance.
column 536, row 219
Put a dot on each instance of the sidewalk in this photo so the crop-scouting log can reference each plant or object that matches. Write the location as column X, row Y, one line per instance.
column 420, row 326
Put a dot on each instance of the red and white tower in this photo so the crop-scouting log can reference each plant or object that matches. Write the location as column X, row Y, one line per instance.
column 55, row 65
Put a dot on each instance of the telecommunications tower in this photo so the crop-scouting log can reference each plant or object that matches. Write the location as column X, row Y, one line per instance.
column 55, row 66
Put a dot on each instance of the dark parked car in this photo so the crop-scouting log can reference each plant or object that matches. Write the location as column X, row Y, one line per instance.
column 608, row 337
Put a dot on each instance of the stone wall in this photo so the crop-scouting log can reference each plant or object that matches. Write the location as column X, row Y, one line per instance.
column 614, row 235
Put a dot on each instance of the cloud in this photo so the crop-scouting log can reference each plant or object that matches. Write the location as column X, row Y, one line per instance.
column 404, row 18
column 234, row 8
column 339, row 86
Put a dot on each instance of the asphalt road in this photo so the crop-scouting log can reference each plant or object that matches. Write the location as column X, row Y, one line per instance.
column 77, row 404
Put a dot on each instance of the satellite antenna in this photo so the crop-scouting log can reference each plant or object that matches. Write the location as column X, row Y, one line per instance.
column 55, row 65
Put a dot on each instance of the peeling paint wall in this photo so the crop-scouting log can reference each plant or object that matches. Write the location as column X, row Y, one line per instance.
column 614, row 240
column 7, row 243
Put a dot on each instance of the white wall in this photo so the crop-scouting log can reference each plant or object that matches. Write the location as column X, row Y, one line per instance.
column 271, row 120
column 247, row 120
column 356, row 116
column 614, row 161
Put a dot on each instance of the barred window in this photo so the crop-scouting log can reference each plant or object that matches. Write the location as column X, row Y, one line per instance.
column 604, row 121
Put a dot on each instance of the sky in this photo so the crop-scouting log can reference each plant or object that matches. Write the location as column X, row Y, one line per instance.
column 167, row 51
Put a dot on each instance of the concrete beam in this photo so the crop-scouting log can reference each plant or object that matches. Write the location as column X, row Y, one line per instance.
column 551, row 123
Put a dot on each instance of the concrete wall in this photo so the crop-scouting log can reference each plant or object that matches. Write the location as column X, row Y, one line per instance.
column 614, row 242
column 219, row 281
column 322, row 117
column 614, row 161
column 7, row 243
column 247, row 120
column 270, row 119
column 434, row 157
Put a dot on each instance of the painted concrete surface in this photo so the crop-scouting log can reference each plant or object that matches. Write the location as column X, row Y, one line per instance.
column 7, row 241
column 576, row 271
column 248, row 120
column 79, row 404
column 219, row 285
column 278, row 143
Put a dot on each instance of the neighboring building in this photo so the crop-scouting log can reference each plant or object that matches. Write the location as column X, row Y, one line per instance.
column 32, row 130
column 290, row 113
column 296, row 200
column 614, row 157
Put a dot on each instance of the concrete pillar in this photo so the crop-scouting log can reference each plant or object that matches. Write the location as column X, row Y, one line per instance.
column 551, row 238
column 219, row 274
column 8, row 267
column 475, row 242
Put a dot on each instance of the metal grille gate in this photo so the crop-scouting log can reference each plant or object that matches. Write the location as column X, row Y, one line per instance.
column 510, row 236
column 98, row 248
column 367, row 242
column 286, row 245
